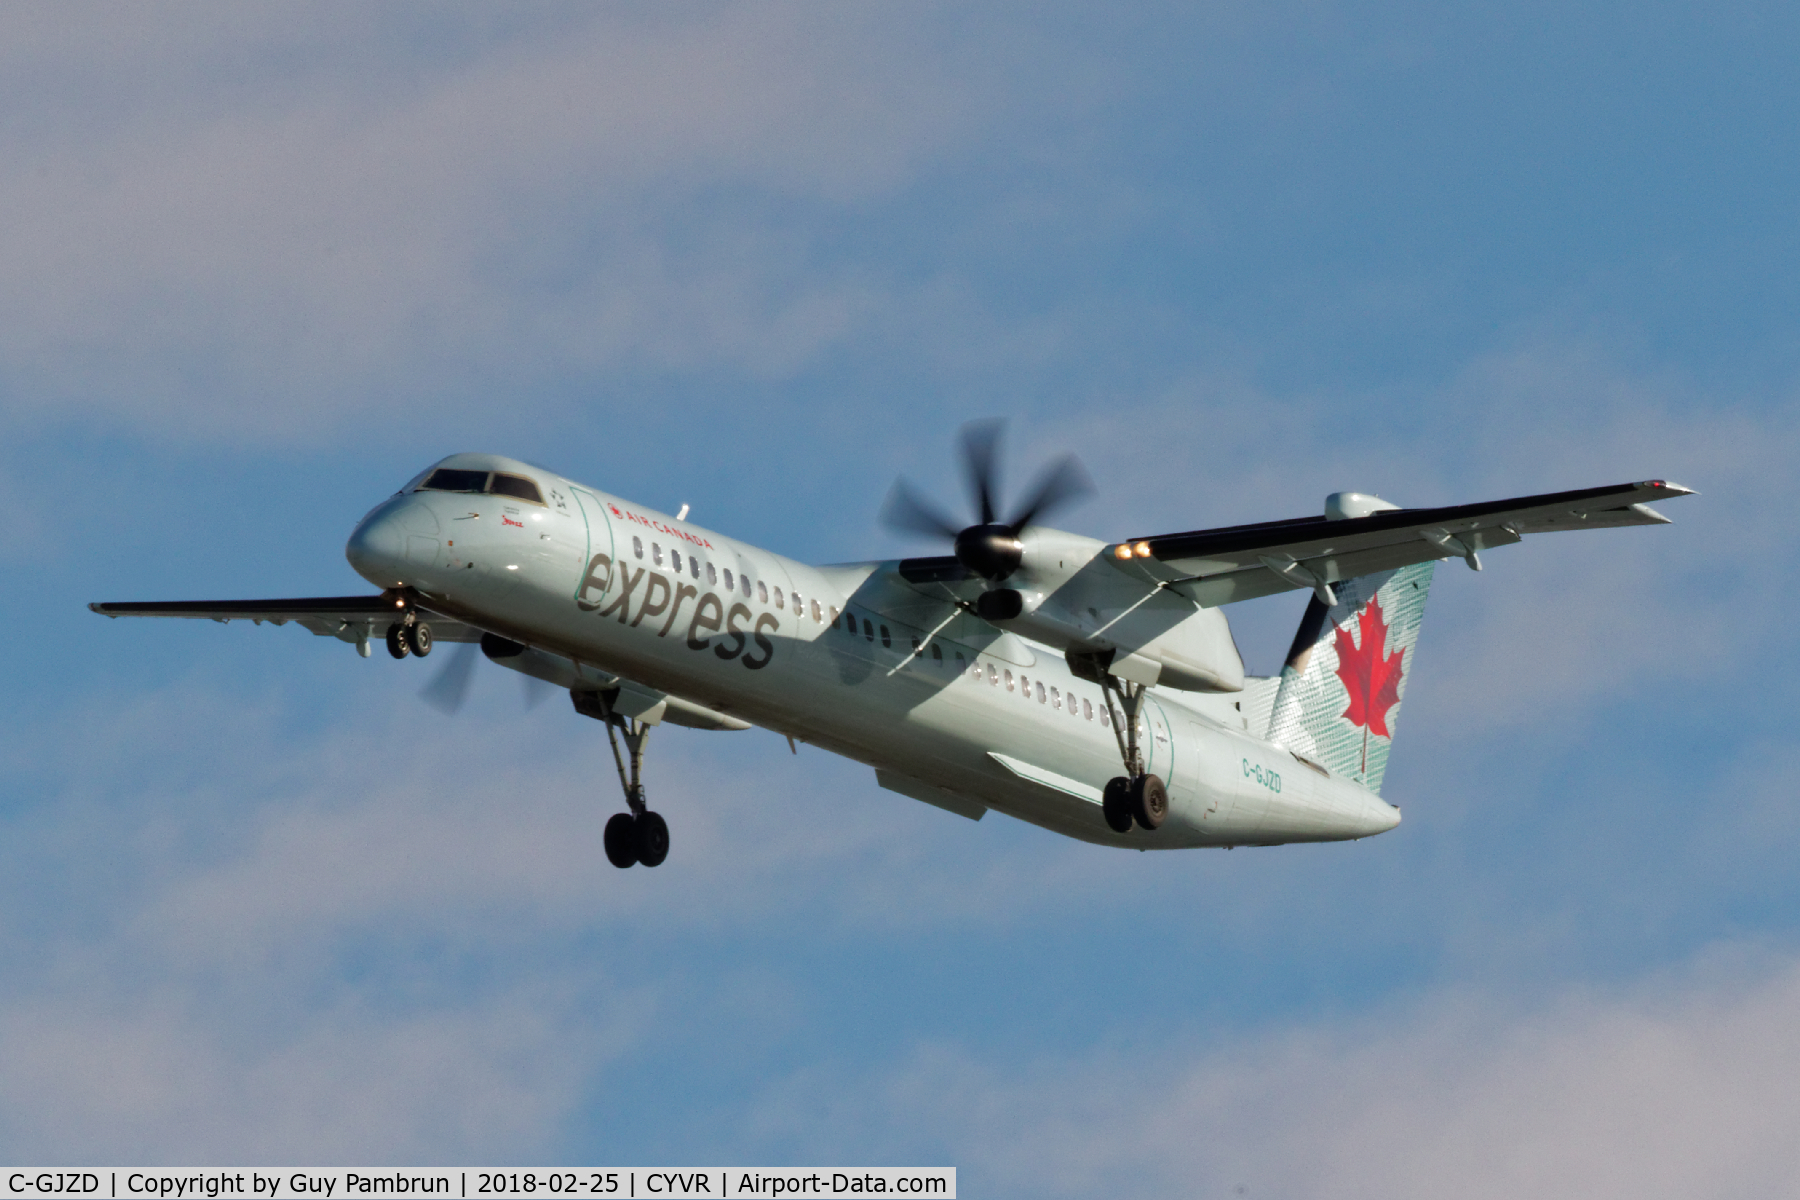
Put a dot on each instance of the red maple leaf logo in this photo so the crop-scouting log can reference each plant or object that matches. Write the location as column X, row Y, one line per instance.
column 1371, row 677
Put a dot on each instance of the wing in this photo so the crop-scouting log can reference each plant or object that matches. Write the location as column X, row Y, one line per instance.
column 347, row 618
column 1242, row 562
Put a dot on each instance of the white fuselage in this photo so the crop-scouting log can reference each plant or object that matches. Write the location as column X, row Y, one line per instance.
column 945, row 706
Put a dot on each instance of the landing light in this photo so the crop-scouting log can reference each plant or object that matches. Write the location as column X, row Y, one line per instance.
column 1143, row 549
column 1123, row 550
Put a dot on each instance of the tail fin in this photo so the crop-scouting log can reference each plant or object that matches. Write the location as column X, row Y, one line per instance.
column 1341, row 688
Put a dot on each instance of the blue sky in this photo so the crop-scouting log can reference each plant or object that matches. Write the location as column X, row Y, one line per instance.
column 259, row 266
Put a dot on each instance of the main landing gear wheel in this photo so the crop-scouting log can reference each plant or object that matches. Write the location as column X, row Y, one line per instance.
column 638, row 836
column 397, row 643
column 1149, row 801
column 1117, row 804
column 652, row 839
column 637, row 839
column 418, row 639
column 621, row 840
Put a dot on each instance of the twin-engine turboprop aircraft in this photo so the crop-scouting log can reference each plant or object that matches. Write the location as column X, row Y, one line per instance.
column 1089, row 687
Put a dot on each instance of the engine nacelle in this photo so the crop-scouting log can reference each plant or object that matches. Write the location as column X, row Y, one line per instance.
column 1071, row 598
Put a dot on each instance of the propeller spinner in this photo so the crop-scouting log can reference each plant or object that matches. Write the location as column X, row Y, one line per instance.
column 990, row 548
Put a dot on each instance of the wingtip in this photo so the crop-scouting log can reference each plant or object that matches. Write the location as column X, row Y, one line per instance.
column 1669, row 488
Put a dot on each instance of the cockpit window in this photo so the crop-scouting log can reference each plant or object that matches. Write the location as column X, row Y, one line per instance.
column 516, row 486
column 448, row 480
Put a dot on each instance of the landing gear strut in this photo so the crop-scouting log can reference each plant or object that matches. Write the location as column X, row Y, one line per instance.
column 638, row 836
column 1136, row 797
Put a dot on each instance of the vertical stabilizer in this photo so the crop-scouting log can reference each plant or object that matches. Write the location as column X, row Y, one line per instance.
column 1345, row 676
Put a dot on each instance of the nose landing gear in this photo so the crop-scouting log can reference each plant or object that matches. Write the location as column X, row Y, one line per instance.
column 409, row 635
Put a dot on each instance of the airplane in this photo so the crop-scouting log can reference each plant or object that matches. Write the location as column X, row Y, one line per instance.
column 1091, row 688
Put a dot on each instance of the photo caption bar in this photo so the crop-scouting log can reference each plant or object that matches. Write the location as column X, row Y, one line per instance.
column 468, row 1183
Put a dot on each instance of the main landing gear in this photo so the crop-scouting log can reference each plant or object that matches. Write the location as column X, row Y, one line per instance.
column 638, row 836
column 1136, row 797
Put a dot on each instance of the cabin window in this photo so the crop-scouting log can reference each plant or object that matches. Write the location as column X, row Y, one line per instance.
column 762, row 591
column 937, row 655
column 1040, row 692
column 1024, row 685
column 1106, row 717
column 994, row 676
column 778, row 603
column 886, row 638
column 675, row 561
column 445, row 479
column 1087, row 708
column 819, row 616
column 799, row 605
column 850, row 622
column 834, row 614
column 1009, row 678
column 918, row 648
column 637, row 546
column 516, row 486
column 1055, row 699
column 712, row 576
column 656, row 553
column 730, row 583
column 693, row 566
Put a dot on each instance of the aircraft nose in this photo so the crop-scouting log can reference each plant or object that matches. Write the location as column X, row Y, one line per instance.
column 395, row 542
column 376, row 548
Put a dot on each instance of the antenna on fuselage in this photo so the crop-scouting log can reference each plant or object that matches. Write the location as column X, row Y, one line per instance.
column 682, row 515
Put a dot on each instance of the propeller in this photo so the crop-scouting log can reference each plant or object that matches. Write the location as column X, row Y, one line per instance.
column 990, row 548
column 449, row 688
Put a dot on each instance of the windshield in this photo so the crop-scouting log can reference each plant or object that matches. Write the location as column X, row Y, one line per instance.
column 449, row 479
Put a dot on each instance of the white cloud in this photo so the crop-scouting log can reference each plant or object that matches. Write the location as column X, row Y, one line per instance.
column 1680, row 1087
column 165, row 1074
column 263, row 261
column 392, row 938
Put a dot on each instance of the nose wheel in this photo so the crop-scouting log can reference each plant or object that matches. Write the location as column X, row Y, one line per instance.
column 410, row 636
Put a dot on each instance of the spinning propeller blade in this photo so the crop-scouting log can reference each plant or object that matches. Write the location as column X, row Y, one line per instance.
column 1063, row 482
column 908, row 512
column 450, row 686
column 990, row 548
column 981, row 448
